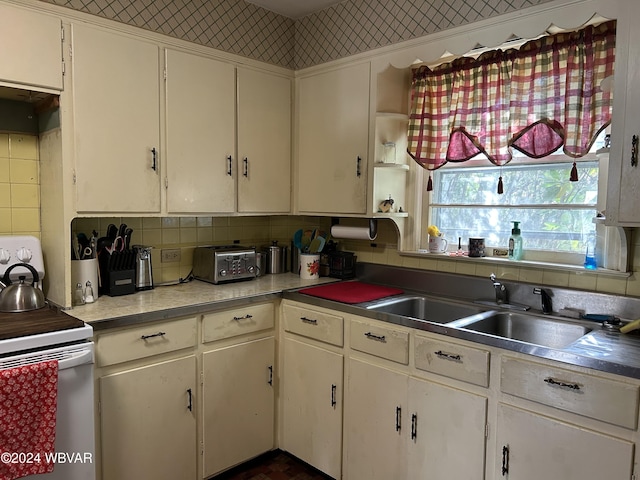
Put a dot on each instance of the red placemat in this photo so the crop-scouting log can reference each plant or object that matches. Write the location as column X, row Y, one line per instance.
column 351, row 292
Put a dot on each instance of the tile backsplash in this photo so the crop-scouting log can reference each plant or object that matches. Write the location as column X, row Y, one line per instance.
column 19, row 185
column 185, row 233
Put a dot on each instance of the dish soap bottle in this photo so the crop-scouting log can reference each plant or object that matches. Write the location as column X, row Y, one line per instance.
column 515, row 243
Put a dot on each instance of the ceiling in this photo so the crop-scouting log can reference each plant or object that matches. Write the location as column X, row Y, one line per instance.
column 294, row 8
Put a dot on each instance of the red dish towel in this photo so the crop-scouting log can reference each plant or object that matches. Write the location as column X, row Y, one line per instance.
column 351, row 292
column 28, row 404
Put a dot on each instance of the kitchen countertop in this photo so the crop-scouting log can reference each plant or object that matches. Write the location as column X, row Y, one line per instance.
column 185, row 299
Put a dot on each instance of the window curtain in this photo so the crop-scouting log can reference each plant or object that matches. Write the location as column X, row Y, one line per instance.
column 544, row 95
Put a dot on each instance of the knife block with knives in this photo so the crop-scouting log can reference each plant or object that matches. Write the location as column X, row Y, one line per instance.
column 117, row 273
column 117, row 262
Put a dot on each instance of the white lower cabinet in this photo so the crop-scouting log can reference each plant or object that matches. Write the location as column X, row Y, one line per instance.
column 148, row 421
column 446, row 425
column 377, row 422
column 403, row 427
column 534, row 446
column 238, row 403
column 312, row 405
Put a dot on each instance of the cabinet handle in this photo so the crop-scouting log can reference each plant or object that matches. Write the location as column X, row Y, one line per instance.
column 154, row 159
column 378, row 338
column 270, row 381
column 358, row 161
column 229, row 171
column 505, row 460
column 398, row 418
column 414, row 426
column 246, row 317
column 333, row 396
column 159, row 334
column 246, row 167
column 560, row 383
column 309, row 320
column 190, row 406
column 634, row 151
column 449, row 356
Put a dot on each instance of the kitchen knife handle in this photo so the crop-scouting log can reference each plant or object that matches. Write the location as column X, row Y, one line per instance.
column 229, row 159
column 154, row 159
column 246, row 167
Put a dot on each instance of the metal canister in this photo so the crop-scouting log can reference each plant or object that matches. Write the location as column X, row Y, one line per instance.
column 276, row 257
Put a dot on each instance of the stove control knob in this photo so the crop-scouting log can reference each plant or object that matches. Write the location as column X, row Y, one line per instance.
column 251, row 269
column 5, row 256
column 24, row 255
column 222, row 273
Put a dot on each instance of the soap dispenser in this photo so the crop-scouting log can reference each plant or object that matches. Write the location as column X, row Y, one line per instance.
column 515, row 242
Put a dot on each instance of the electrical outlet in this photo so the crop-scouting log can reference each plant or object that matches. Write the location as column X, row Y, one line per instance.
column 168, row 255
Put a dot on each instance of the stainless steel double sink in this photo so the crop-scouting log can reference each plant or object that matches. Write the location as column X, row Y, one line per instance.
column 523, row 327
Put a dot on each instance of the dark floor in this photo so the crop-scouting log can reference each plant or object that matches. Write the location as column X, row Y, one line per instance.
column 276, row 465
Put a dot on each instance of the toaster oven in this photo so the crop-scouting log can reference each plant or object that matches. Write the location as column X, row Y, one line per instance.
column 224, row 263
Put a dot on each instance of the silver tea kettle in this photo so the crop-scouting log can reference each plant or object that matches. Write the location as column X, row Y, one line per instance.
column 20, row 297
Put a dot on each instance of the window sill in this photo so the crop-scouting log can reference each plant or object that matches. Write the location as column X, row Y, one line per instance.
column 503, row 261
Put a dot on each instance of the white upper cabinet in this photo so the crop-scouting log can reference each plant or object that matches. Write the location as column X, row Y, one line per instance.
column 624, row 164
column 333, row 136
column 116, row 110
column 205, row 172
column 31, row 51
column 201, row 134
column 264, row 142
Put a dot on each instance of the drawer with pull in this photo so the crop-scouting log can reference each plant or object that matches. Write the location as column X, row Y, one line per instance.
column 381, row 341
column 237, row 321
column 600, row 398
column 461, row 362
column 145, row 341
column 315, row 324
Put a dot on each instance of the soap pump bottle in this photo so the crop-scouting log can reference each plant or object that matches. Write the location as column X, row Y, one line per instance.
column 515, row 243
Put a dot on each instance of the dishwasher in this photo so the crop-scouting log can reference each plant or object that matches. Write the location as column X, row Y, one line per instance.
column 72, row 348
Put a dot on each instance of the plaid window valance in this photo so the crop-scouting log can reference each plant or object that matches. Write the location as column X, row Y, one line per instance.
column 535, row 99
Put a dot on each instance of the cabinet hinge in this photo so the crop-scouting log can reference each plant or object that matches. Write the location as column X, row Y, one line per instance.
column 61, row 33
column 164, row 74
column 201, row 378
column 166, row 182
column 201, row 448
column 486, row 430
column 64, row 70
column 74, row 177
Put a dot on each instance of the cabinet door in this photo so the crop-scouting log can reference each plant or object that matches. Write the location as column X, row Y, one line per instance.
column 264, row 142
column 31, row 52
column 148, row 421
column 238, row 403
column 377, row 422
column 116, row 106
column 534, row 447
column 312, row 405
column 446, row 425
column 624, row 177
column 201, row 134
column 333, row 134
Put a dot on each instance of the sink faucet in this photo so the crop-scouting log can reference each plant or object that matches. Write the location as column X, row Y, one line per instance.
column 501, row 290
column 546, row 300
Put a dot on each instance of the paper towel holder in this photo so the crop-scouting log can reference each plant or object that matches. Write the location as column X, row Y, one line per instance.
column 373, row 226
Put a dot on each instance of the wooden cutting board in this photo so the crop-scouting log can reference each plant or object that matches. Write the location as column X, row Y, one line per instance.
column 43, row 320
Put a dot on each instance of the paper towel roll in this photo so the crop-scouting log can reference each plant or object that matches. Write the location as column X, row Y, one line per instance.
column 355, row 233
